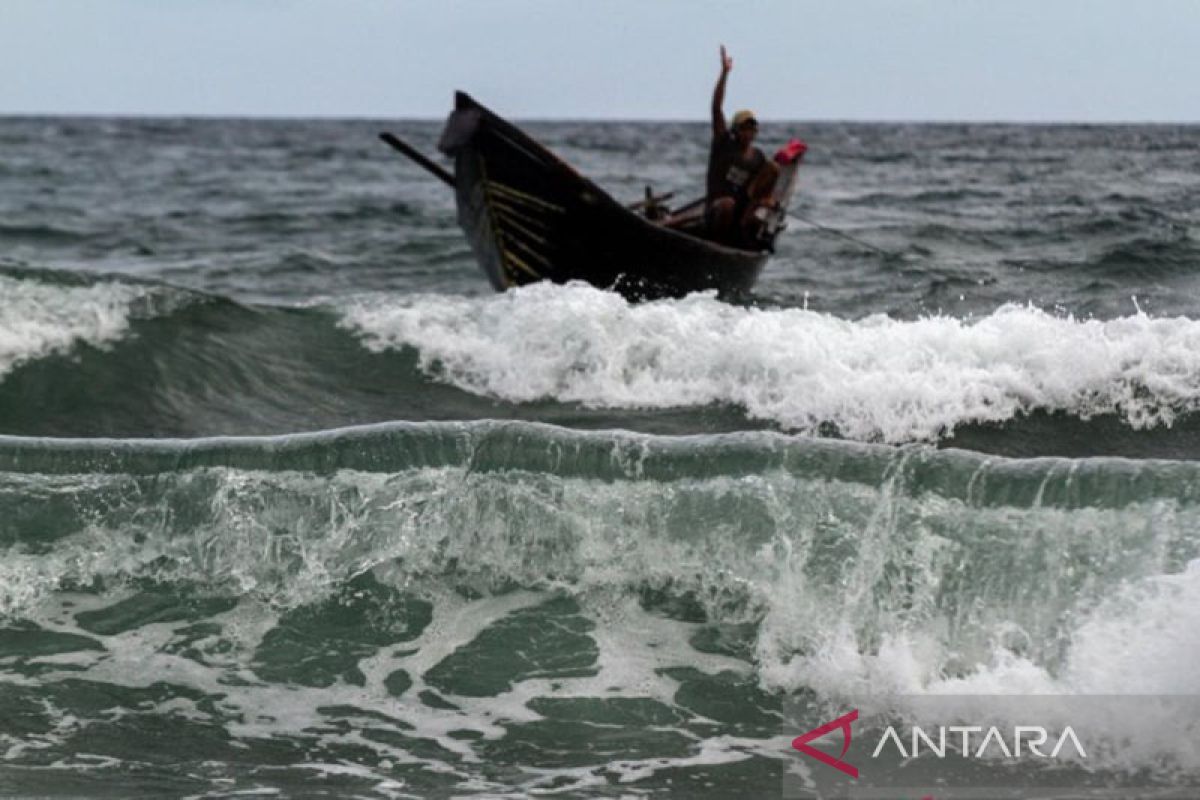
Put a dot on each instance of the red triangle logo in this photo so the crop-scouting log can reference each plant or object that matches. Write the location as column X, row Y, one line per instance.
column 801, row 743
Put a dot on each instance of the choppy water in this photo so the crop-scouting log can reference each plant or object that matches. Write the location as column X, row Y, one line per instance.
column 291, row 503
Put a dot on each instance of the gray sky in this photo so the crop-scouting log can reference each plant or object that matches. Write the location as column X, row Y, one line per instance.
column 1021, row 60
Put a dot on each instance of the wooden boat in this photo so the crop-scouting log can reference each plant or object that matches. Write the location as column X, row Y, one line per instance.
column 529, row 216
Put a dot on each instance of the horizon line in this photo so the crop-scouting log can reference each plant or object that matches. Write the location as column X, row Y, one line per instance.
column 270, row 117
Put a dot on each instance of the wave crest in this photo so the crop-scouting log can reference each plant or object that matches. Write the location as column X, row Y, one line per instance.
column 874, row 379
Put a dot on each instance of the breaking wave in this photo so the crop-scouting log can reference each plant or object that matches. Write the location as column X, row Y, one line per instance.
column 841, row 552
column 39, row 318
column 874, row 379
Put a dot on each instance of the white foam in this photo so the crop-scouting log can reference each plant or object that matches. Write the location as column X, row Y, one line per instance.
column 862, row 589
column 875, row 379
column 1128, row 678
column 1144, row 639
column 39, row 319
column 633, row 647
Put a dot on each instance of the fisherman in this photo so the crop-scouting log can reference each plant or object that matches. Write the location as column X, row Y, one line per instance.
column 740, row 177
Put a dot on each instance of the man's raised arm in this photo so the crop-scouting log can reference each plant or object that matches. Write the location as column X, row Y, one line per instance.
column 718, row 116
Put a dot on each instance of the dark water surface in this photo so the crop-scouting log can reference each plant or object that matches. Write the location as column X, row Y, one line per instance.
column 291, row 503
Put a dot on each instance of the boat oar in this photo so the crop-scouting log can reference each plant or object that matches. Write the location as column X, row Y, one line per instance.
column 842, row 234
column 415, row 155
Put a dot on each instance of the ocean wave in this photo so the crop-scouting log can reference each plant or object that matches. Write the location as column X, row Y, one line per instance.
column 930, row 196
column 149, row 359
column 84, row 355
column 874, row 379
column 51, row 315
column 1148, row 259
column 37, row 234
column 841, row 553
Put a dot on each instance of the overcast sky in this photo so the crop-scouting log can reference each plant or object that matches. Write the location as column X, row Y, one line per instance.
column 1019, row 60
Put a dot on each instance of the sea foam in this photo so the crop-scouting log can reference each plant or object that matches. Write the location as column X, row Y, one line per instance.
column 41, row 319
column 874, row 379
column 852, row 571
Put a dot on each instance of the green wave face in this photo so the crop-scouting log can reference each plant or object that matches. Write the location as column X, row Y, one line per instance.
column 108, row 356
column 808, row 541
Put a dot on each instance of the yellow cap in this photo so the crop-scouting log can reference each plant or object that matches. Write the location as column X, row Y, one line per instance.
column 743, row 116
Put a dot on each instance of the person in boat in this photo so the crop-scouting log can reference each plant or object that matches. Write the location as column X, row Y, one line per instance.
column 740, row 176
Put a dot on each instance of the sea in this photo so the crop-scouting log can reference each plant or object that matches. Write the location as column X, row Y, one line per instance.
column 292, row 504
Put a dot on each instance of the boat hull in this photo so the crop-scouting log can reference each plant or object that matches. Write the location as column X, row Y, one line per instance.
column 529, row 216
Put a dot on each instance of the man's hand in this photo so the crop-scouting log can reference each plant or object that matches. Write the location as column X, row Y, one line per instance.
column 720, row 130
